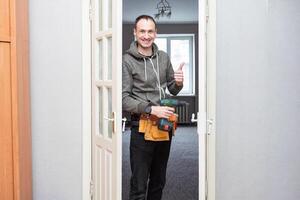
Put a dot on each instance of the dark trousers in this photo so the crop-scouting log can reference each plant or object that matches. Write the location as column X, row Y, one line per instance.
column 148, row 162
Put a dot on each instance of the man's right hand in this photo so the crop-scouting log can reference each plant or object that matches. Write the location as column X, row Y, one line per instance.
column 162, row 111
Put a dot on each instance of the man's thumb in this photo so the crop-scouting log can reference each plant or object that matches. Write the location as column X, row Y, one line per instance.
column 181, row 66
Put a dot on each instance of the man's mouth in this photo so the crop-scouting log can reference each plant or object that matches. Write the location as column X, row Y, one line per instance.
column 146, row 40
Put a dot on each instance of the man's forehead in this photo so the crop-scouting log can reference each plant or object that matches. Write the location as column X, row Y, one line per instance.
column 145, row 24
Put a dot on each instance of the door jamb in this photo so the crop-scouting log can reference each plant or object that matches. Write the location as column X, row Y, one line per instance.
column 202, row 100
column 86, row 101
column 207, row 107
column 211, row 98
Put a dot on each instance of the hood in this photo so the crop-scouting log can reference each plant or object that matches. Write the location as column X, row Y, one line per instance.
column 134, row 51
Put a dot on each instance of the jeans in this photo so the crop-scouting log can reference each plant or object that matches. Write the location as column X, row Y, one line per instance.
column 148, row 162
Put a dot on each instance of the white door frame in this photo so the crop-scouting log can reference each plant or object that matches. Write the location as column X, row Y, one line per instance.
column 207, row 104
column 211, row 98
column 86, row 101
column 210, row 89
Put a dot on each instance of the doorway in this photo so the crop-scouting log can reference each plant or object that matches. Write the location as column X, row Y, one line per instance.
column 183, row 166
column 113, row 187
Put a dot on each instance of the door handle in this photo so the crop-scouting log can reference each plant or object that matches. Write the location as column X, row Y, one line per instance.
column 210, row 125
column 123, row 123
column 193, row 118
column 113, row 120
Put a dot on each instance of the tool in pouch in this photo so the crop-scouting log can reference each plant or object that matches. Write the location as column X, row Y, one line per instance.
column 158, row 129
column 148, row 124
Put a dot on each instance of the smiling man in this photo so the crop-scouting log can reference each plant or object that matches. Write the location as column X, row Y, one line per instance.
column 147, row 72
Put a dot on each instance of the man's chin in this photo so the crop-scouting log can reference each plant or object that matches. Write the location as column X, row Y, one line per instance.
column 146, row 45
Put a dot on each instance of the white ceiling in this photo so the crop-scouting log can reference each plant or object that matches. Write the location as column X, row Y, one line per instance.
column 183, row 11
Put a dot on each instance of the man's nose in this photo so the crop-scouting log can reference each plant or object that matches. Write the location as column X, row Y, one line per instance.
column 147, row 36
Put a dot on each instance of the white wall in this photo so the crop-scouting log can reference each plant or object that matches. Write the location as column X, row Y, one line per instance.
column 258, row 100
column 55, row 62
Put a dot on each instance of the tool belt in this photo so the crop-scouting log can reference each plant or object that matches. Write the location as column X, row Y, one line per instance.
column 149, row 126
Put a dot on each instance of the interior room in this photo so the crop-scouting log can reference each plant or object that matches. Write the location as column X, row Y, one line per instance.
column 177, row 34
column 50, row 118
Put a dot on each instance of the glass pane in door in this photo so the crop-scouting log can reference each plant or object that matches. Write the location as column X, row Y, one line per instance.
column 109, row 58
column 100, row 14
column 109, row 102
column 100, row 60
column 109, row 13
column 100, row 112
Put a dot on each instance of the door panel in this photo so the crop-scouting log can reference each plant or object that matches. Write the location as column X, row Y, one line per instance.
column 6, row 154
column 106, row 101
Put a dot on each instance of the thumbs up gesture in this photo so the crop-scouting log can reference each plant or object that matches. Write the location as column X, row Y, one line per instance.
column 178, row 75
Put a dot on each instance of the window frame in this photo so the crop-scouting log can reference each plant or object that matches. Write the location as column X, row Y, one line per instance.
column 191, row 38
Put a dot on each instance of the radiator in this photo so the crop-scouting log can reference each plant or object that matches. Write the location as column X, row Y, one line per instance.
column 183, row 114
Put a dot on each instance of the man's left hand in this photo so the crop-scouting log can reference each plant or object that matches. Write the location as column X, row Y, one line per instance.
column 178, row 75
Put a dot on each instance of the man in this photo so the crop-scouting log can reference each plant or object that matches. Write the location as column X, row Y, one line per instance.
column 147, row 72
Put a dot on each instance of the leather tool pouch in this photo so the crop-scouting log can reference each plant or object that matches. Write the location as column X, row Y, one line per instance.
column 148, row 126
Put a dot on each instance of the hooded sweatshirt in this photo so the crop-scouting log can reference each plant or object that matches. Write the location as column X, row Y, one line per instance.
column 145, row 79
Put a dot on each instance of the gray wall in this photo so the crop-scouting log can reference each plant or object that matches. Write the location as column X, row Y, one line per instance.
column 258, row 100
column 55, row 62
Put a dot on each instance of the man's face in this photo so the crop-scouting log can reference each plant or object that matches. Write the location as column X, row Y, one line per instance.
column 145, row 33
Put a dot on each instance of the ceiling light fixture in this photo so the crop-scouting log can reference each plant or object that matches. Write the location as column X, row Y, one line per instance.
column 163, row 9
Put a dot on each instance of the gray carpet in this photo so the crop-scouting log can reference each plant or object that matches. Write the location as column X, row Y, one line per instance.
column 182, row 172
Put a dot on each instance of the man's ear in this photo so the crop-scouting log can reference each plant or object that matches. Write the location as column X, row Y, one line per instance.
column 134, row 34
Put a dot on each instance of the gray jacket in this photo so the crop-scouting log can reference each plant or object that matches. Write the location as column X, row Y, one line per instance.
column 141, row 86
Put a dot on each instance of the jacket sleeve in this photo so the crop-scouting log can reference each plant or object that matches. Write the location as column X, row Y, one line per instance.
column 129, row 103
column 172, row 86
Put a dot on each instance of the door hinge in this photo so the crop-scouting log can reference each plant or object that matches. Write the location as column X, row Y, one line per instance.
column 92, row 189
column 206, row 189
column 207, row 12
column 91, row 12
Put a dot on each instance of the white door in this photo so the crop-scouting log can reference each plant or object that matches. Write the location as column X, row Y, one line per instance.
column 206, row 104
column 202, row 103
column 106, row 99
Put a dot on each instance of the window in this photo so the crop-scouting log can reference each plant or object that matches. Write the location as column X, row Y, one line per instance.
column 180, row 48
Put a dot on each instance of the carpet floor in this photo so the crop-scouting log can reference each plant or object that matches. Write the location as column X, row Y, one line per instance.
column 182, row 171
